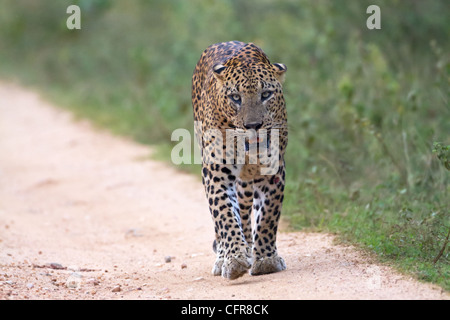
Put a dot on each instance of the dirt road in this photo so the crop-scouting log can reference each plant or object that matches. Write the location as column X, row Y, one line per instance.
column 86, row 215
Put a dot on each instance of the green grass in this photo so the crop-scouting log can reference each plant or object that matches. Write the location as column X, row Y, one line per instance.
column 364, row 107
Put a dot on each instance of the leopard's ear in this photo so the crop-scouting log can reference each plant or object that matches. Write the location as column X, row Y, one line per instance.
column 218, row 71
column 280, row 71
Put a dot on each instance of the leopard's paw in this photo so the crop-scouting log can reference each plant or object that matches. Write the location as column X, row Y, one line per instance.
column 236, row 266
column 268, row 265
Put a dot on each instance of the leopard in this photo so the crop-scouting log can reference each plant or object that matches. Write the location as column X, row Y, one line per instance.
column 236, row 89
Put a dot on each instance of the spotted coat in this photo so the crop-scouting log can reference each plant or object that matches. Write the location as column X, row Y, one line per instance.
column 236, row 89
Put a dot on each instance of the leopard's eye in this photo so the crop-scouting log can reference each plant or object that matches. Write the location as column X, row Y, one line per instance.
column 235, row 98
column 266, row 95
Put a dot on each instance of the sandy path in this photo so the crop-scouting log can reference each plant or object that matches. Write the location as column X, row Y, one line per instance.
column 106, row 217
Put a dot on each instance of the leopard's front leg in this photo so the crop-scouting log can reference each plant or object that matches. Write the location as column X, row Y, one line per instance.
column 233, row 253
column 268, row 199
column 244, row 190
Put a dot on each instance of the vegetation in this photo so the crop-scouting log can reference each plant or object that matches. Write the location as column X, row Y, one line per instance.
column 369, row 115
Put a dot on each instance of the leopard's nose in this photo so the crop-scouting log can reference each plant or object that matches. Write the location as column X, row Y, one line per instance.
column 253, row 125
